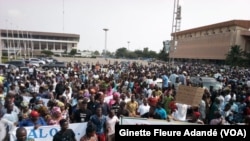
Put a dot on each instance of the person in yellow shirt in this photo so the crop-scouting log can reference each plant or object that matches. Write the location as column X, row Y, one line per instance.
column 132, row 106
column 1, row 79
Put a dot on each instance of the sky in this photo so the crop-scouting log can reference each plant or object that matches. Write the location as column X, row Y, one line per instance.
column 134, row 24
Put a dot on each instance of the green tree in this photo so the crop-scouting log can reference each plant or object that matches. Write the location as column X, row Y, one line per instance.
column 73, row 52
column 139, row 53
column 96, row 53
column 163, row 54
column 121, row 52
column 152, row 54
column 47, row 52
column 235, row 56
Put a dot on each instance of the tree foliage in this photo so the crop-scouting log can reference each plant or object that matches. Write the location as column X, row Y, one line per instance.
column 121, row 52
column 73, row 52
column 96, row 53
column 47, row 52
column 145, row 53
column 235, row 56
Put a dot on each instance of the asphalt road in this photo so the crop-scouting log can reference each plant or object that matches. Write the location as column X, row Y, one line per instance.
column 98, row 60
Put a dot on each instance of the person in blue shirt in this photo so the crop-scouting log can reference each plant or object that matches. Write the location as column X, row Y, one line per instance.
column 165, row 82
column 160, row 112
column 99, row 120
column 34, row 120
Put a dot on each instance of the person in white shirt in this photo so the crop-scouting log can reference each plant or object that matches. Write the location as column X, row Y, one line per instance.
column 4, row 124
column 111, row 121
column 144, row 107
column 10, row 115
column 34, row 87
column 68, row 93
column 181, row 113
column 150, row 90
column 202, row 108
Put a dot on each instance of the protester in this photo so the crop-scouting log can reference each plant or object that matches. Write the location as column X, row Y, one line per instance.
column 72, row 92
column 82, row 114
column 99, row 120
column 21, row 135
column 65, row 134
column 111, row 122
column 33, row 120
column 90, row 134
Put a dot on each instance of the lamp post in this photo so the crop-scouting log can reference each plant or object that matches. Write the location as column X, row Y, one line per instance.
column 128, row 45
column 105, row 50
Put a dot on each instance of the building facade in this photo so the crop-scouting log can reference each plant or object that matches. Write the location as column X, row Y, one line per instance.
column 211, row 42
column 27, row 43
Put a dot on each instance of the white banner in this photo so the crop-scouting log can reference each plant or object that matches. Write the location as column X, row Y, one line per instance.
column 144, row 121
column 46, row 133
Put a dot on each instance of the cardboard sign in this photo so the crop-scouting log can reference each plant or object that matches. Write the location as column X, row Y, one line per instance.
column 189, row 95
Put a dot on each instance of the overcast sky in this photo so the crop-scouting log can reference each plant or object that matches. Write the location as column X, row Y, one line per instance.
column 144, row 23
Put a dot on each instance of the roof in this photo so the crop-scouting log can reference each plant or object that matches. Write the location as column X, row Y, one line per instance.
column 240, row 23
column 43, row 33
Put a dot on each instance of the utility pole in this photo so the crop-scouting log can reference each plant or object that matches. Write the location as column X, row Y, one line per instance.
column 128, row 45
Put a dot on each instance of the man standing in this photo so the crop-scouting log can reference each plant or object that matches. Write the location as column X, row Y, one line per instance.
column 99, row 120
column 112, row 120
column 164, row 82
column 132, row 106
column 65, row 134
column 83, row 113
column 21, row 135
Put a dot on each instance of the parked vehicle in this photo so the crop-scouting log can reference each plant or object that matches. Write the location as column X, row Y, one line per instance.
column 41, row 62
column 25, row 69
column 49, row 59
column 34, row 64
column 17, row 63
column 58, row 65
column 206, row 82
column 9, row 67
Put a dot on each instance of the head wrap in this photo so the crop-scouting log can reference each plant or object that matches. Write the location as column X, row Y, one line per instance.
column 38, row 98
column 116, row 95
column 86, row 93
column 197, row 114
column 38, row 106
column 24, row 104
column 60, row 104
column 34, row 114
column 56, row 110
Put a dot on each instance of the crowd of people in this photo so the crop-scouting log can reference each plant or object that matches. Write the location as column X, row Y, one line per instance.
column 100, row 94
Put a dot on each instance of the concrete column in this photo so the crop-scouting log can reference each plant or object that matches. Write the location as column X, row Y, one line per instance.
column 47, row 46
column 40, row 46
column 61, row 48
column 54, row 46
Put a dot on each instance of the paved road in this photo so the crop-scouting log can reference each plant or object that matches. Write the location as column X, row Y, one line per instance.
column 95, row 60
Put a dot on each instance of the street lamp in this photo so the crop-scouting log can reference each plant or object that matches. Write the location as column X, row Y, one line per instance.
column 128, row 45
column 105, row 51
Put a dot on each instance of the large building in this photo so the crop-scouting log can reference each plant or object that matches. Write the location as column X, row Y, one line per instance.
column 27, row 43
column 211, row 42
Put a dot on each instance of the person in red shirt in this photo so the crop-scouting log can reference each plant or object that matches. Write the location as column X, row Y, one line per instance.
column 153, row 100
